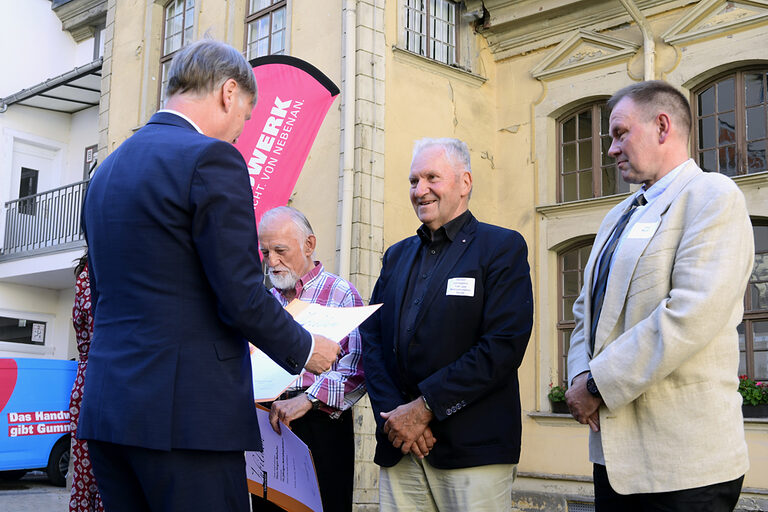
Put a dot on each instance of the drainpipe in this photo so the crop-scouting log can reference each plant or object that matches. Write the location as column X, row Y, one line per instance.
column 649, row 46
column 348, row 141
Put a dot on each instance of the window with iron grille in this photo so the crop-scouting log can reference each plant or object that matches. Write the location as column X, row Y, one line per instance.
column 178, row 30
column 753, row 330
column 585, row 170
column 571, row 263
column 265, row 28
column 431, row 29
column 730, row 127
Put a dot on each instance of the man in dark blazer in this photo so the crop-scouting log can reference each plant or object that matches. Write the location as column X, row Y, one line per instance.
column 441, row 355
column 177, row 290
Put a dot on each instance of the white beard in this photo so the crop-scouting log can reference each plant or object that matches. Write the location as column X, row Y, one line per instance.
column 283, row 282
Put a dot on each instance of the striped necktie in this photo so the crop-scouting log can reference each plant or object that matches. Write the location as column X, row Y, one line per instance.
column 604, row 268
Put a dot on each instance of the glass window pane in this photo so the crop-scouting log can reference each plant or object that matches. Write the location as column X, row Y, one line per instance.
column 708, row 160
column 707, row 102
column 569, row 130
column 761, row 241
column 278, row 20
column 570, row 260
column 726, row 133
column 761, row 365
column 585, row 124
column 742, row 363
column 262, row 47
column 727, row 160
column 707, row 132
column 756, row 156
column 753, row 85
column 262, row 27
column 585, row 155
column 570, row 193
column 569, row 157
column 605, row 146
column 760, row 335
column 742, row 343
column 755, row 123
column 277, row 42
column 609, row 181
column 568, row 308
column 571, row 283
column 725, row 95
column 584, row 255
column 585, row 185
column 257, row 5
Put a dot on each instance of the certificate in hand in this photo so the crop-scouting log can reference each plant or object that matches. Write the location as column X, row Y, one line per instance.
column 269, row 378
column 283, row 472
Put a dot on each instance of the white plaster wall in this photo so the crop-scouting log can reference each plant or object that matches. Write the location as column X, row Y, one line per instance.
column 34, row 45
column 84, row 132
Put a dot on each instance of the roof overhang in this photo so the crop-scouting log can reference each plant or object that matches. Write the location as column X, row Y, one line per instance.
column 71, row 92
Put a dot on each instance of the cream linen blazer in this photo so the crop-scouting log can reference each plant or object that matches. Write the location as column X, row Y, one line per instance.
column 666, row 351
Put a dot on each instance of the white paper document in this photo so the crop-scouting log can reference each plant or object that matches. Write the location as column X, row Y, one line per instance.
column 283, row 472
column 269, row 378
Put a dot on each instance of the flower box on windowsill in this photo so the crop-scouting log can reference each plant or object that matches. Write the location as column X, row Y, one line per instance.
column 559, row 407
column 755, row 411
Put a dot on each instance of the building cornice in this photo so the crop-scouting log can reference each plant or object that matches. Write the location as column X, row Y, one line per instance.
column 516, row 27
column 81, row 18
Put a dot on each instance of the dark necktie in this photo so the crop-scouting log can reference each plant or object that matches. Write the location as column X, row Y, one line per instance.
column 604, row 267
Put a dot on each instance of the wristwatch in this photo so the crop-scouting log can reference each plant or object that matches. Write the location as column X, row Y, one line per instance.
column 592, row 387
column 313, row 400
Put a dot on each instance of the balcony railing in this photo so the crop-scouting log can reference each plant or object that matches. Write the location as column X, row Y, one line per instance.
column 43, row 221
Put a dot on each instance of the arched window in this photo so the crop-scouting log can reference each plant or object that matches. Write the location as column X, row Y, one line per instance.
column 571, row 263
column 178, row 30
column 753, row 331
column 584, row 168
column 730, row 127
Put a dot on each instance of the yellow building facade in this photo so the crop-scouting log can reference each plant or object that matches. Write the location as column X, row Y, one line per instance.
column 523, row 83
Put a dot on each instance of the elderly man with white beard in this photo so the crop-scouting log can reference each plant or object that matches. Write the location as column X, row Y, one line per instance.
column 318, row 408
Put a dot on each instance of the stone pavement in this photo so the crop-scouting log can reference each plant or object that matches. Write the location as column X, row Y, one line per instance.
column 33, row 493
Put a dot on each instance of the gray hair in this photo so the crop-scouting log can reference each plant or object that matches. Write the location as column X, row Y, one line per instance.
column 656, row 96
column 298, row 219
column 205, row 65
column 456, row 151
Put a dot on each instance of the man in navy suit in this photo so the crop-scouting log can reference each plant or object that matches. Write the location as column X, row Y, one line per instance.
column 441, row 354
column 177, row 290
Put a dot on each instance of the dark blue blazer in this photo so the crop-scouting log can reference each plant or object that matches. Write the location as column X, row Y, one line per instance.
column 464, row 352
column 177, row 290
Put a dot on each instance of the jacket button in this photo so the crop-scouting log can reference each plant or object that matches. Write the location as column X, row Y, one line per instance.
column 292, row 362
column 448, row 412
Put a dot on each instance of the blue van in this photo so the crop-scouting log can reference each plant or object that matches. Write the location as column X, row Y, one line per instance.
column 34, row 417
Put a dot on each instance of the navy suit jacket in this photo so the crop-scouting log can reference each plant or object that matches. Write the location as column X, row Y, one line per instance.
column 177, row 290
column 464, row 352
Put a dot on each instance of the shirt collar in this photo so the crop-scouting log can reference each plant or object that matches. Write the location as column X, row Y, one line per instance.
column 448, row 230
column 306, row 279
column 660, row 186
column 176, row 112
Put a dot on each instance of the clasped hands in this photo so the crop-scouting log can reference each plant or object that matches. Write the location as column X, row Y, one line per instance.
column 407, row 428
column 584, row 405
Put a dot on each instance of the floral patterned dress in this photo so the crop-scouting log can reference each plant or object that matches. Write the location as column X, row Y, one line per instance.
column 85, row 495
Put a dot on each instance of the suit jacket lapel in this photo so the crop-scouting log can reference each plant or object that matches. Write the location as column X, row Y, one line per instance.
column 626, row 257
column 453, row 254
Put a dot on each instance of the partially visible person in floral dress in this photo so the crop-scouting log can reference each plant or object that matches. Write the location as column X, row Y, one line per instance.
column 85, row 495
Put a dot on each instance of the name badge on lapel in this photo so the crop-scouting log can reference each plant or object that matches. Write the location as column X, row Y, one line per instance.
column 461, row 286
column 643, row 230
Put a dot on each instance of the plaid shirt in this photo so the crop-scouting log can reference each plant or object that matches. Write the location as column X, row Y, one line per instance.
column 344, row 384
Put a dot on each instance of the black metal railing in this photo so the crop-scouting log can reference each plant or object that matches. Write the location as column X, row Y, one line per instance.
column 45, row 220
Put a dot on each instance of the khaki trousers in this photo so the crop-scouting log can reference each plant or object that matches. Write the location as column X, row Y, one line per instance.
column 412, row 485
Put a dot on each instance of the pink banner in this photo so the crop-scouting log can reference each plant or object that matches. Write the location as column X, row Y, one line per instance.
column 293, row 98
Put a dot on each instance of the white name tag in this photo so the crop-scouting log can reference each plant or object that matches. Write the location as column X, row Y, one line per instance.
column 643, row 230
column 461, row 286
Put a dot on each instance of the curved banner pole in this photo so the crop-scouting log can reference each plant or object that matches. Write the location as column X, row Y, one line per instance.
column 292, row 101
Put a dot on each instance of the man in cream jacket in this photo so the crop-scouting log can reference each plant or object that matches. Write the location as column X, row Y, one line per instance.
column 654, row 355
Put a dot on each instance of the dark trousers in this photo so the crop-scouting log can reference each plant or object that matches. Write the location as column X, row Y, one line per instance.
column 720, row 497
column 133, row 479
column 333, row 451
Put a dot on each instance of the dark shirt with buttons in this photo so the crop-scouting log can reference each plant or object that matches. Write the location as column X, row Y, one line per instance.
column 433, row 247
